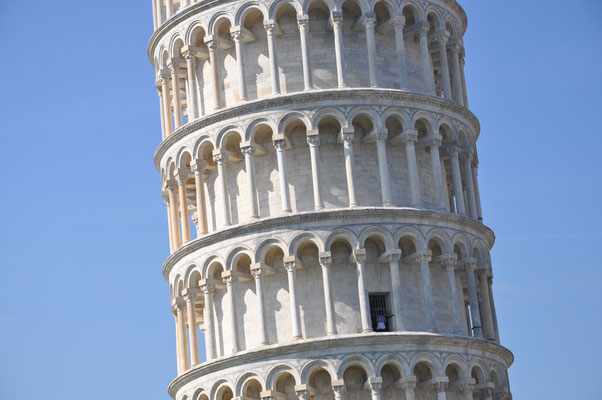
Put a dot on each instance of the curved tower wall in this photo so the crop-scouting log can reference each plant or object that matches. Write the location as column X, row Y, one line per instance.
column 319, row 169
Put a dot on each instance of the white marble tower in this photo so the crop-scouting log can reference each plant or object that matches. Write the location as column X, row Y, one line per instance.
column 319, row 168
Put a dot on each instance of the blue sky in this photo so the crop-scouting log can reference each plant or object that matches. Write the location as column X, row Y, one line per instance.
column 84, row 310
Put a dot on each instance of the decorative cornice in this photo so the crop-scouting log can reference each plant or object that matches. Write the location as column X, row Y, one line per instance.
column 312, row 97
column 411, row 339
column 320, row 216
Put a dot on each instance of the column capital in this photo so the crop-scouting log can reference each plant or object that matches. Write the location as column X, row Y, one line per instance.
column 434, row 140
column 442, row 38
column 422, row 27
column 180, row 303
column 302, row 394
column 347, row 137
column 359, row 255
column 381, row 134
column 392, row 256
column 271, row 26
column 197, row 165
column 188, row 55
column 454, row 46
column 220, row 155
column 313, row 139
column 171, row 185
column 368, row 21
column 467, row 155
column 291, row 263
column 424, row 257
column 173, row 65
column 337, row 18
column 453, row 150
column 399, row 21
column 191, row 295
column 483, row 273
column 181, row 176
column 339, row 390
column 325, row 259
column 280, row 144
column 229, row 277
column 449, row 260
column 441, row 386
column 206, row 287
column 407, row 382
column 470, row 263
column 466, row 387
column 409, row 135
column 248, row 149
column 303, row 22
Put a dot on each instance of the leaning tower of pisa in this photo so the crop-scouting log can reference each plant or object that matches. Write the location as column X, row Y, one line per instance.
column 319, row 168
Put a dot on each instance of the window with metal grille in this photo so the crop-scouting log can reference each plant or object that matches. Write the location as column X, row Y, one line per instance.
column 379, row 312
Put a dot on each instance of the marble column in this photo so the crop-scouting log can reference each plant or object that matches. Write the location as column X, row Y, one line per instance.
column 434, row 144
column 383, row 168
column 184, row 214
column 258, row 271
column 271, row 27
column 201, row 205
column 398, row 24
column 493, row 313
column 175, row 87
column 440, row 388
column 464, row 91
column 457, row 179
column 429, row 78
column 337, row 26
column 230, row 280
column 167, row 117
column 161, row 111
column 215, row 81
column 210, row 348
column 237, row 37
column 466, row 390
column 477, row 192
column 371, row 46
column 313, row 140
column 408, row 384
column 184, row 362
column 169, row 9
column 393, row 259
column 285, row 198
column 409, row 138
column 448, row 262
column 470, row 265
column 375, row 385
column 178, row 355
column 442, row 42
column 193, row 337
column 220, row 156
column 326, row 264
column 339, row 391
column 169, row 221
column 456, row 77
column 191, row 87
column 172, row 187
column 349, row 165
column 472, row 204
column 359, row 255
column 485, row 305
column 303, row 24
column 249, row 153
column 425, row 274
column 160, row 13
column 291, row 266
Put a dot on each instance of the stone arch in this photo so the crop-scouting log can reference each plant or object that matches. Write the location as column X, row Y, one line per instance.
column 413, row 235
column 225, row 132
column 220, row 388
column 441, row 238
column 496, row 376
column 329, row 112
column 477, row 371
column 308, row 369
column 200, row 394
column 433, row 17
column 192, row 30
column 211, row 264
column 215, row 20
column 367, row 112
column 248, row 6
column 201, row 143
column 289, row 118
column 355, row 360
column 428, row 359
column 278, row 3
column 426, row 118
column 163, row 56
column 193, row 274
column 243, row 381
column 235, row 254
column 279, row 370
column 264, row 246
column 395, row 360
column 179, row 285
column 341, row 234
column 303, row 238
column 252, row 127
column 176, row 43
column 380, row 232
column 307, row 3
column 460, row 363
column 184, row 158
column 414, row 9
column 461, row 242
column 398, row 115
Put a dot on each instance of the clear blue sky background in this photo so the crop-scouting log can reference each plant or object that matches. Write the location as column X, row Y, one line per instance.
column 84, row 310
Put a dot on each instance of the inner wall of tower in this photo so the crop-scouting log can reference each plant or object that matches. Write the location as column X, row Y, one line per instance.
column 319, row 169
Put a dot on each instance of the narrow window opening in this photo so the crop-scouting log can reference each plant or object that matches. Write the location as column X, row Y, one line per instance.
column 379, row 312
